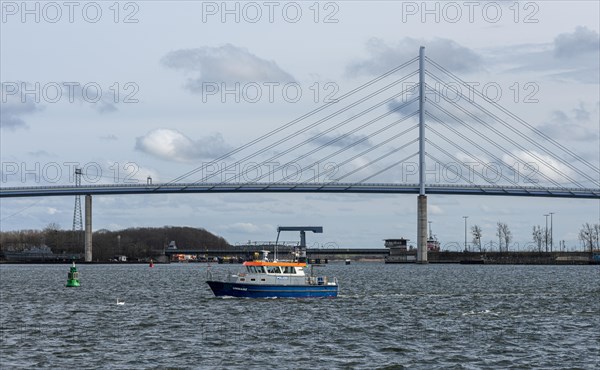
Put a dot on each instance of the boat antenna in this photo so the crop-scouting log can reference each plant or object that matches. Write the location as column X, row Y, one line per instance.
column 276, row 243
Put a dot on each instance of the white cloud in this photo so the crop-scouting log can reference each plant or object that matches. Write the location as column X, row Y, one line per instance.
column 224, row 64
column 581, row 41
column 384, row 57
column 572, row 56
column 342, row 141
column 246, row 228
column 109, row 137
column 575, row 125
column 13, row 107
column 41, row 154
column 126, row 171
column 172, row 145
column 542, row 165
column 435, row 210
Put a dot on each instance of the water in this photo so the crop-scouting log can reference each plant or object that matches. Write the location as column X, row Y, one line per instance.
column 386, row 316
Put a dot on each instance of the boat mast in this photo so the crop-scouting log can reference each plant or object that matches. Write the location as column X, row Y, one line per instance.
column 276, row 243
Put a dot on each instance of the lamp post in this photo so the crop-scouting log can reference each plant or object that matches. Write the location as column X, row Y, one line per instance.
column 546, row 233
column 465, row 217
column 551, row 232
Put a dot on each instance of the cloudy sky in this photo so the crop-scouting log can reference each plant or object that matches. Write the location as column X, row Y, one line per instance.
column 159, row 89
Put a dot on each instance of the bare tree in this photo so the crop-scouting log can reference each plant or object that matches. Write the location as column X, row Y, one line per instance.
column 538, row 237
column 507, row 236
column 499, row 235
column 504, row 235
column 476, row 232
column 547, row 235
column 589, row 235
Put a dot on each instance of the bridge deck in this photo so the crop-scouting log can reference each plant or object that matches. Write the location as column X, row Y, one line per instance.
column 122, row 189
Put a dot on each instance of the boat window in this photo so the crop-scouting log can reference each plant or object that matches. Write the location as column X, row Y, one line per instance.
column 242, row 279
column 288, row 270
column 259, row 269
column 273, row 270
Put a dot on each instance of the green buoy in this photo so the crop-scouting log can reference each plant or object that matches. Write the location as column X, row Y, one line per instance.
column 73, row 277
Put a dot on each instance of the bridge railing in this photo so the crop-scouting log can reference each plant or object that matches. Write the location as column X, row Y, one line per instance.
column 288, row 184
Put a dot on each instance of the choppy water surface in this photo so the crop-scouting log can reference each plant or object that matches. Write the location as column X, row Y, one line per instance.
column 387, row 316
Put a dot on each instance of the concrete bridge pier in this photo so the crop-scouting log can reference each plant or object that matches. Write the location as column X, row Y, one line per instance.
column 422, row 229
column 88, row 228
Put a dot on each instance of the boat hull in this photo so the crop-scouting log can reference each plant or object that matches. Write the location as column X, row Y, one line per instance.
column 220, row 289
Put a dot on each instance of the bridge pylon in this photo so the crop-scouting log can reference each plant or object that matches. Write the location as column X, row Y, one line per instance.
column 422, row 198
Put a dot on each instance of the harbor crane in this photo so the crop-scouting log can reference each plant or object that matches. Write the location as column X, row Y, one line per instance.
column 303, row 229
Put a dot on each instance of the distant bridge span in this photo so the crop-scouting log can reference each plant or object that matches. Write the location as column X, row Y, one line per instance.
column 129, row 189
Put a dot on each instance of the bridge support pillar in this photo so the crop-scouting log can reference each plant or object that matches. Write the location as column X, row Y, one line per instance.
column 88, row 228
column 422, row 229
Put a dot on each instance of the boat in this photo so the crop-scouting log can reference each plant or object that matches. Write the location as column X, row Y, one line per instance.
column 348, row 261
column 274, row 279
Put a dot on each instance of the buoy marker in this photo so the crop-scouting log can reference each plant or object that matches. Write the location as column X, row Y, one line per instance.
column 73, row 277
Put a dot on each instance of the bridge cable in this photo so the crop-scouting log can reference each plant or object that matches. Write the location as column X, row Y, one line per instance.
column 296, row 120
column 493, row 142
column 451, row 169
column 552, row 155
column 505, row 138
column 388, row 167
column 297, row 159
column 465, row 138
column 306, row 128
column 518, row 119
column 515, row 117
column 461, row 162
column 366, row 151
column 348, row 160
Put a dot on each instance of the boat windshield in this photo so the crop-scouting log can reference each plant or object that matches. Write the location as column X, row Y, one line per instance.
column 255, row 269
column 273, row 270
column 289, row 270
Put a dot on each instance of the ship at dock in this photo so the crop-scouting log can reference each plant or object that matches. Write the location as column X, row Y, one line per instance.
column 401, row 252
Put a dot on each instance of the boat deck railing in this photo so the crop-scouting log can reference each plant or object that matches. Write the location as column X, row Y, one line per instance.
column 321, row 280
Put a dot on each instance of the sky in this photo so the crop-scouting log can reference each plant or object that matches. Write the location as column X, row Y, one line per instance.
column 136, row 89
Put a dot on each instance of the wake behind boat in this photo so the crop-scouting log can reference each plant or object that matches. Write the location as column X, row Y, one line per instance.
column 276, row 279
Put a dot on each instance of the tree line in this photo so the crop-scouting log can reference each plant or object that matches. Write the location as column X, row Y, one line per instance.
column 141, row 242
column 589, row 235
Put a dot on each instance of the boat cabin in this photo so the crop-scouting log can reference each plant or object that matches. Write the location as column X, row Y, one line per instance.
column 275, row 268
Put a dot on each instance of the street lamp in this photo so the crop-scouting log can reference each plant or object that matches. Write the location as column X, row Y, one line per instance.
column 546, row 233
column 551, row 232
column 465, row 217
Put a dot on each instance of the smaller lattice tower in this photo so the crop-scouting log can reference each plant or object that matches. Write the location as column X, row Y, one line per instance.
column 77, row 219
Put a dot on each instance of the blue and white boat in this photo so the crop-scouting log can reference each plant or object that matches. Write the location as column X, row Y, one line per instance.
column 274, row 279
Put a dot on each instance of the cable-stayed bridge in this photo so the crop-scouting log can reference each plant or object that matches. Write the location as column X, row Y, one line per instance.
column 290, row 187
column 416, row 129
